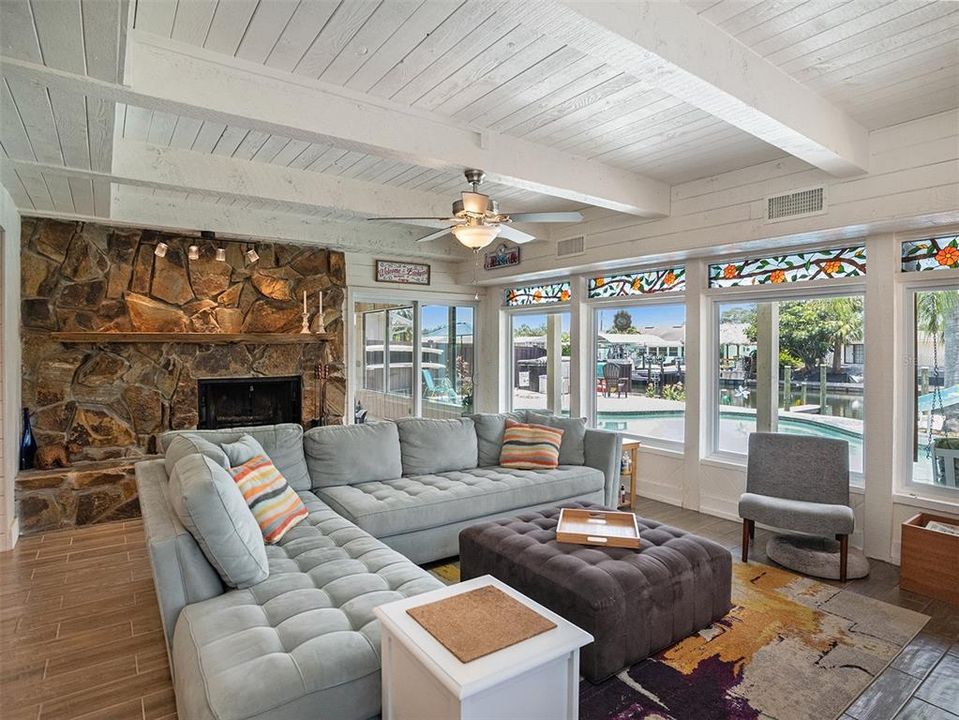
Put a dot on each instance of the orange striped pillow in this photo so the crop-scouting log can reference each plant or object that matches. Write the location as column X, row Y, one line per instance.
column 272, row 501
column 530, row 447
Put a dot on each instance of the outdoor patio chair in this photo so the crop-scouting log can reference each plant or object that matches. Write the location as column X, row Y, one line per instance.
column 612, row 373
column 799, row 483
column 441, row 388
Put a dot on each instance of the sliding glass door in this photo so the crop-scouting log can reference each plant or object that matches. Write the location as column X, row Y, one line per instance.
column 412, row 360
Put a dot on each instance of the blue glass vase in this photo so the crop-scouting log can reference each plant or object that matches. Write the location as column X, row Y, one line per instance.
column 28, row 444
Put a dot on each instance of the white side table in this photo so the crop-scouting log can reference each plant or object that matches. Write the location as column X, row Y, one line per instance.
column 537, row 679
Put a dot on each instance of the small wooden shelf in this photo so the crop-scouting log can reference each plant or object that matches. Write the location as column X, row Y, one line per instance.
column 196, row 338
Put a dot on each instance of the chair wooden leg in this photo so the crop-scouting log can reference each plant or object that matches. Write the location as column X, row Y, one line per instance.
column 752, row 529
column 748, row 526
column 843, row 554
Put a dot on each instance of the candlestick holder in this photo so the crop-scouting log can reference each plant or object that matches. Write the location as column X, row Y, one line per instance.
column 305, row 328
column 320, row 326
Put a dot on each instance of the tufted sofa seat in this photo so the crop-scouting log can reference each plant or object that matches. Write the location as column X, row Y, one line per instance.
column 426, row 501
column 304, row 642
column 633, row 603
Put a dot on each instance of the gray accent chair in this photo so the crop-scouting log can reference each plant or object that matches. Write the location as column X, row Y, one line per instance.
column 798, row 483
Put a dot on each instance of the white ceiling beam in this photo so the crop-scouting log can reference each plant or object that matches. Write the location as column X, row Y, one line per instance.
column 668, row 46
column 165, row 168
column 194, row 81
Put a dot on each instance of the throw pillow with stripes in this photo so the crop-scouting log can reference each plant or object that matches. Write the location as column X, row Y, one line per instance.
column 273, row 502
column 530, row 447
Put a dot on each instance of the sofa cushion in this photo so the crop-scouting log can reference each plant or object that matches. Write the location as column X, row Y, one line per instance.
column 435, row 446
column 808, row 517
column 212, row 508
column 426, row 501
column 303, row 643
column 489, row 434
column 274, row 504
column 244, row 449
column 530, row 446
column 572, row 449
column 283, row 443
column 183, row 445
column 345, row 454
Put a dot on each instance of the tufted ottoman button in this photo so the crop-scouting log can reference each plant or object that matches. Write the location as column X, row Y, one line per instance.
column 634, row 602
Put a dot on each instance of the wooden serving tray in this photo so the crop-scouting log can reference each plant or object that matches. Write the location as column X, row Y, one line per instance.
column 602, row 528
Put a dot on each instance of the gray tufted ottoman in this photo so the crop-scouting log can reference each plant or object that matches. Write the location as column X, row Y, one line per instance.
column 634, row 602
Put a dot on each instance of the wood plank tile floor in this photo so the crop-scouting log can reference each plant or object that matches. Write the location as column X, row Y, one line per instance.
column 80, row 634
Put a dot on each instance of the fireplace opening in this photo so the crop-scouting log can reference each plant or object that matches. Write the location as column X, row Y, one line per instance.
column 237, row 402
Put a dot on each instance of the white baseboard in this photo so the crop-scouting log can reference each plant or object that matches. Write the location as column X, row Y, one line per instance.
column 9, row 539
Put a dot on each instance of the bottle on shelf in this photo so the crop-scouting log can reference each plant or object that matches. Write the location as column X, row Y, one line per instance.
column 28, row 444
column 622, row 495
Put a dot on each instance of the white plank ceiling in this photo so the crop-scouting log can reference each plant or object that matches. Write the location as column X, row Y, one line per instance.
column 881, row 61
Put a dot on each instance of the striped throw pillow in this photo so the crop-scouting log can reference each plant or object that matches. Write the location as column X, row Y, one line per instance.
column 273, row 502
column 530, row 447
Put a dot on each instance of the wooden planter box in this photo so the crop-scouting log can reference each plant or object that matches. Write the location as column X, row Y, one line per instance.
column 929, row 560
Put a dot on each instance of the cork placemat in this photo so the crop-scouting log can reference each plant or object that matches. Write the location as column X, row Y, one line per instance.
column 479, row 622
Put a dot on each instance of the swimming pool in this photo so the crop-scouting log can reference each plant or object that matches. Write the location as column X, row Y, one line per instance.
column 734, row 428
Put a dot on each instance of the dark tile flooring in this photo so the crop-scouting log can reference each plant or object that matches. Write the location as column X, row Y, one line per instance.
column 922, row 683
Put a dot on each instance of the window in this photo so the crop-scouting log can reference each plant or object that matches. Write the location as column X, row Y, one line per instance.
column 448, row 360
column 784, row 366
column 540, row 361
column 650, row 282
column 934, row 418
column 935, row 254
column 795, row 267
column 640, row 371
column 538, row 294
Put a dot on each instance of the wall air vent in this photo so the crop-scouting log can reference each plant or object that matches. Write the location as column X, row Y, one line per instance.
column 811, row 201
column 571, row 246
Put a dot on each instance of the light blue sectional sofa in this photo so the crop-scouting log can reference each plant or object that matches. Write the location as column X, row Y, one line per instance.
column 382, row 497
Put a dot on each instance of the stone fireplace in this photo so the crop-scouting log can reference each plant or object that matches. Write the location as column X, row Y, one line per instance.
column 235, row 402
column 104, row 403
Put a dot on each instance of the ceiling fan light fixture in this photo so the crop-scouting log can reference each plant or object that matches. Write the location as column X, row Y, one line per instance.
column 474, row 202
column 475, row 237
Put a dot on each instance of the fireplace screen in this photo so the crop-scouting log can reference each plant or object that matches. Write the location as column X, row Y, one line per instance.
column 236, row 402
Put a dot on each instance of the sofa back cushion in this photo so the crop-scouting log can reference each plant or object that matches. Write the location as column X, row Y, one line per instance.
column 283, row 444
column 530, row 446
column 489, row 434
column 435, row 446
column 351, row 454
column 210, row 505
column 189, row 444
column 572, row 451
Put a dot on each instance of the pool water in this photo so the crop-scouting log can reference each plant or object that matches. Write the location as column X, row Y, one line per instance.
column 734, row 429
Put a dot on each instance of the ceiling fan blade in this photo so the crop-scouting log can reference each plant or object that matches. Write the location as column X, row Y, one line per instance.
column 547, row 217
column 434, row 236
column 400, row 219
column 517, row 236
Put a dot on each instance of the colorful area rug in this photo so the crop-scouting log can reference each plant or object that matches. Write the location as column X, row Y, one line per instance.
column 791, row 648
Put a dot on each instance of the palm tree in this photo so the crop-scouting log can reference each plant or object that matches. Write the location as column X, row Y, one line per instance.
column 845, row 314
column 937, row 315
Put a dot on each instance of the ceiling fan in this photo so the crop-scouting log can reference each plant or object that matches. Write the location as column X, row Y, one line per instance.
column 476, row 220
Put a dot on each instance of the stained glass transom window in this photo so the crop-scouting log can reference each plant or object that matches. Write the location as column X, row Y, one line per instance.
column 650, row 282
column 796, row 267
column 538, row 294
column 935, row 254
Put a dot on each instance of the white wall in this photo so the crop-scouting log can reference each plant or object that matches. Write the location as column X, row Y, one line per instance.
column 9, row 366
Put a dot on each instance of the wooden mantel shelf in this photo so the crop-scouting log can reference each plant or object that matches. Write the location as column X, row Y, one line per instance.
column 195, row 338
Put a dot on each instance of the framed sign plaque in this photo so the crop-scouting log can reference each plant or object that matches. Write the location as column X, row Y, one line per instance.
column 403, row 273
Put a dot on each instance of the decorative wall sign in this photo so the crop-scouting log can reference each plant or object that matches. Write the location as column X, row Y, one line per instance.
column 934, row 254
column 539, row 294
column 404, row 273
column 650, row 282
column 844, row 262
column 503, row 256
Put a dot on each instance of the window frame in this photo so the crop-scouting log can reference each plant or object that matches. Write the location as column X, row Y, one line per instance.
column 911, row 283
column 802, row 290
column 512, row 311
column 597, row 305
